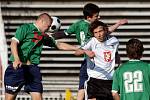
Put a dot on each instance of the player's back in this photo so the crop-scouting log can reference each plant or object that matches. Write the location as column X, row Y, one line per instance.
column 81, row 30
column 134, row 80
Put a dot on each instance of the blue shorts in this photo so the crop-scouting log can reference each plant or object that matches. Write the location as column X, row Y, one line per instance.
column 28, row 76
column 83, row 74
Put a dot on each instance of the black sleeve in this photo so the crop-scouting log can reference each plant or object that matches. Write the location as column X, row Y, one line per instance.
column 59, row 35
column 49, row 41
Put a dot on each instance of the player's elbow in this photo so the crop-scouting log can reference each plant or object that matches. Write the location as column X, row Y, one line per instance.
column 113, row 94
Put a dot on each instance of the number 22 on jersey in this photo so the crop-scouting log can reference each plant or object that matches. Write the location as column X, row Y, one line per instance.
column 133, row 81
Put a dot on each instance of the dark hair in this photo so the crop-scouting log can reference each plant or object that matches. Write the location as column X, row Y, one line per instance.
column 90, row 9
column 134, row 49
column 97, row 23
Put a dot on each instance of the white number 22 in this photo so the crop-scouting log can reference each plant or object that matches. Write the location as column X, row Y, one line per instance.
column 133, row 81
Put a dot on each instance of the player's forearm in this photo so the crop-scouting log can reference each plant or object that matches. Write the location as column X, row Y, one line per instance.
column 89, row 53
column 14, row 49
column 65, row 46
column 79, row 52
column 116, row 96
column 113, row 27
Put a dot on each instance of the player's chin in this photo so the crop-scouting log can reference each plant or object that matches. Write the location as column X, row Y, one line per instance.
column 100, row 39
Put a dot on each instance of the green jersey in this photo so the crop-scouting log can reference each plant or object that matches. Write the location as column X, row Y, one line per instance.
column 132, row 80
column 81, row 30
column 31, row 41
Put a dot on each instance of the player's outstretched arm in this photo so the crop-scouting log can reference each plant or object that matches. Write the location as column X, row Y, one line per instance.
column 79, row 52
column 115, row 26
column 65, row 46
column 90, row 53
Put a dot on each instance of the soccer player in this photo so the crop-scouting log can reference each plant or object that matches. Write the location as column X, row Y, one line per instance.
column 132, row 79
column 26, row 47
column 81, row 30
column 100, row 67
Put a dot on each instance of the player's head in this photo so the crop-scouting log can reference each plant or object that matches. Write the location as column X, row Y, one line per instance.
column 99, row 30
column 43, row 22
column 134, row 49
column 91, row 12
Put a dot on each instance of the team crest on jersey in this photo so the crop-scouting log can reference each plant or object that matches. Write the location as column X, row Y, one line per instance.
column 37, row 37
column 107, row 56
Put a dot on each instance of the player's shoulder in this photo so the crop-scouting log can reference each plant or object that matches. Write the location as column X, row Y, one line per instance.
column 137, row 62
column 143, row 63
column 27, row 26
column 90, row 40
column 81, row 21
column 111, row 40
column 125, row 64
column 93, row 39
column 110, row 37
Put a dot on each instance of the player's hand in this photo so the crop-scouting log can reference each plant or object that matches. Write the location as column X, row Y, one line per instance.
column 122, row 21
column 79, row 52
column 17, row 64
column 90, row 53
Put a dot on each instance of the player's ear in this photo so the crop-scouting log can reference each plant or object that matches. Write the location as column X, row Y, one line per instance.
column 88, row 18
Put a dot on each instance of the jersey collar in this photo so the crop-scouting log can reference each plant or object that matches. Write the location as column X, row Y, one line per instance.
column 36, row 26
column 134, row 60
column 86, row 21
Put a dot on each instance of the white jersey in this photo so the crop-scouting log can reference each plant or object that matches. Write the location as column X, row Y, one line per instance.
column 102, row 65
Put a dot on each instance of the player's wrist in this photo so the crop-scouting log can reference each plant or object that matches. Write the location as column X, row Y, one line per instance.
column 16, row 58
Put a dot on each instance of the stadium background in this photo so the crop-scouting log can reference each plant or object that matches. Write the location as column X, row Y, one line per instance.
column 60, row 69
